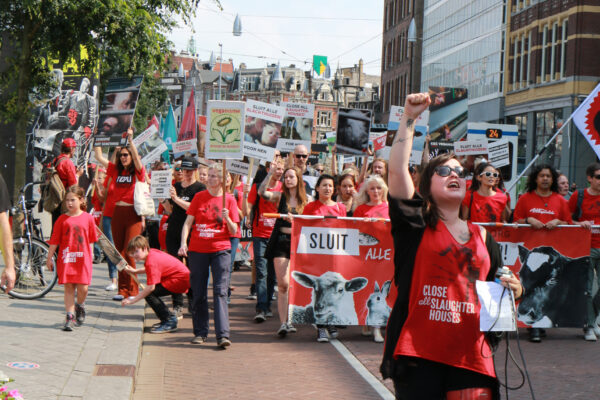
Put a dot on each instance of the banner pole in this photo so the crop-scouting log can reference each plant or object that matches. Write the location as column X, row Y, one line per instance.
column 248, row 178
column 539, row 153
column 224, row 182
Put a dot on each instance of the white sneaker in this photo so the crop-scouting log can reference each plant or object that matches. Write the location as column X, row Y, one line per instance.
column 377, row 338
column 111, row 287
column 589, row 335
column 118, row 297
column 596, row 330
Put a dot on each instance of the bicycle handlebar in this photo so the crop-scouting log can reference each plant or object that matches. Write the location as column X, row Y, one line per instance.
column 24, row 188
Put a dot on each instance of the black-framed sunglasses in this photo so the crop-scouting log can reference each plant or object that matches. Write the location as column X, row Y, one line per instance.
column 319, row 170
column 597, row 176
column 444, row 170
column 489, row 174
column 301, row 155
column 124, row 154
column 177, row 169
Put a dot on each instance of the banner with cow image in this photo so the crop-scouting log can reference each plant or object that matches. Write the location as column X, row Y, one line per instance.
column 341, row 272
column 553, row 266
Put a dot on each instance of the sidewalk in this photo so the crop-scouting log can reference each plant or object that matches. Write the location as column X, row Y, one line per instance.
column 95, row 361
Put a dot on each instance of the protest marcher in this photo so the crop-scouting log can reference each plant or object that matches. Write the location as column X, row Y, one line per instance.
column 177, row 172
column 165, row 275
column 75, row 233
column 237, row 192
column 324, row 205
column 319, row 168
column 563, row 186
column 125, row 223
column 255, row 204
column 431, row 357
column 372, row 203
column 483, row 203
column 379, row 166
column 65, row 169
column 8, row 273
column 291, row 201
column 108, row 186
column 543, row 208
column 300, row 160
column 346, row 191
column 210, row 248
column 203, row 174
column 181, row 194
column 584, row 205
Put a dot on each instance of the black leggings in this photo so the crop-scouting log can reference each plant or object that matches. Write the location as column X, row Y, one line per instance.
column 429, row 380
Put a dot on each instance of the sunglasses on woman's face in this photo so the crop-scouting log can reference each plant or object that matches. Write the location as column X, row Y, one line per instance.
column 444, row 171
column 177, row 169
column 489, row 174
column 124, row 155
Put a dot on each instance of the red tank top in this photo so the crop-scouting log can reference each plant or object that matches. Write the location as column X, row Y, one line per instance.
column 443, row 313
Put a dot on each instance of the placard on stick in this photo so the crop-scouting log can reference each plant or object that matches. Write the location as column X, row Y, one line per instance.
column 225, row 125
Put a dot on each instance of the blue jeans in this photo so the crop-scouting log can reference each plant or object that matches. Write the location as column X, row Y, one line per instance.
column 106, row 228
column 200, row 264
column 265, row 275
column 594, row 299
column 234, row 245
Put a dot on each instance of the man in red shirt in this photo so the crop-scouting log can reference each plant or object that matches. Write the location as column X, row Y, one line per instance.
column 165, row 275
column 65, row 168
column 586, row 212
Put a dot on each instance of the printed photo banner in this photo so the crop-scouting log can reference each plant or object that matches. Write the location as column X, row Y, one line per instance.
column 297, row 126
column 352, row 134
column 263, row 129
column 225, row 124
column 421, row 130
column 149, row 145
column 553, row 266
column 351, row 265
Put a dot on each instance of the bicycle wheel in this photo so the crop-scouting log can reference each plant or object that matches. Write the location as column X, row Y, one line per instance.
column 33, row 278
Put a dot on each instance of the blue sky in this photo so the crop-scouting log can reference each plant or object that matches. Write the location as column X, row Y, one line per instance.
column 342, row 30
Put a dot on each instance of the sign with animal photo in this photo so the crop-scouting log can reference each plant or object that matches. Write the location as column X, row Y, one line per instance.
column 297, row 126
column 351, row 283
column 149, row 145
column 263, row 129
column 352, row 135
column 553, row 265
column 225, row 125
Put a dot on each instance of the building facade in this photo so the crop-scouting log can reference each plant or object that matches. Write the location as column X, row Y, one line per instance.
column 552, row 64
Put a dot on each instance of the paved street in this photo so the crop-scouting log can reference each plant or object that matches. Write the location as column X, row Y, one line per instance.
column 101, row 359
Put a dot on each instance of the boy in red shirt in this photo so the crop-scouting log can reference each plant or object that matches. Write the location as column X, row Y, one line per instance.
column 165, row 275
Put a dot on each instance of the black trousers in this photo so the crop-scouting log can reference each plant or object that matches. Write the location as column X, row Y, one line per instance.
column 158, row 306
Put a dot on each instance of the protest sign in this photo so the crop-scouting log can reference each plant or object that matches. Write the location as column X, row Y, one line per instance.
column 242, row 167
column 185, row 148
column 470, row 147
column 225, row 124
column 116, row 113
column 418, row 141
column 297, row 126
column 498, row 153
column 330, row 137
column 393, row 123
column 160, row 184
column 262, row 130
column 357, row 254
column 448, row 119
column 352, row 134
column 553, row 266
column 149, row 145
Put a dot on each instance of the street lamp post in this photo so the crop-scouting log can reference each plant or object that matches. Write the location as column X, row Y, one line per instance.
column 220, row 70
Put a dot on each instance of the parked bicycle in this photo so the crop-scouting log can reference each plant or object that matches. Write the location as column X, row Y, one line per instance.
column 30, row 250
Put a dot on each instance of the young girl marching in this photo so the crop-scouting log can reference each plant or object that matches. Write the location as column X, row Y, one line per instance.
column 75, row 233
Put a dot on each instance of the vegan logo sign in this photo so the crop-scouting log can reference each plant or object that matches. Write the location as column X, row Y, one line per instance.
column 225, row 129
column 225, row 122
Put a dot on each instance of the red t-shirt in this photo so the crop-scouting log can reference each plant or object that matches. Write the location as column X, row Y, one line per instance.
column 66, row 170
column 485, row 208
column 544, row 209
column 590, row 211
column 366, row 211
column 162, row 232
column 262, row 226
column 97, row 204
column 318, row 208
column 210, row 233
column 443, row 310
column 109, row 202
column 74, row 235
column 238, row 201
column 124, row 183
column 167, row 270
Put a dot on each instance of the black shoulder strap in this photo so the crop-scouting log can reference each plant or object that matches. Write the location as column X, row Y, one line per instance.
column 577, row 214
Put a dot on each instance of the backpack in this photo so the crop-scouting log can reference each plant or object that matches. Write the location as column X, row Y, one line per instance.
column 53, row 190
column 577, row 213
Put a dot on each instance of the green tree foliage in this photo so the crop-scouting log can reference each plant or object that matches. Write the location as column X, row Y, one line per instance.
column 122, row 38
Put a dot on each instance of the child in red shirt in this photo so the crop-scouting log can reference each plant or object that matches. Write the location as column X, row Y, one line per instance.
column 165, row 275
column 75, row 233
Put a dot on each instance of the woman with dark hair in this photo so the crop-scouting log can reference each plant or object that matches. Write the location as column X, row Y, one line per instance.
column 324, row 205
column 346, row 190
column 484, row 203
column 125, row 223
column 542, row 207
column 434, row 350
column 291, row 201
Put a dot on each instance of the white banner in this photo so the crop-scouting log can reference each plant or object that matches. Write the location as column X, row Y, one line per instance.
column 149, row 145
column 241, row 167
column 262, row 129
column 160, row 184
column 225, row 130
column 470, row 147
column 498, row 154
column 297, row 126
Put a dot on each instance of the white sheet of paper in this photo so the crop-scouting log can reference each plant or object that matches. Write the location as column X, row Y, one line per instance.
column 496, row 309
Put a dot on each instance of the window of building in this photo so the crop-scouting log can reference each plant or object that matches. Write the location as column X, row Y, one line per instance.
column 563, row 48
column 546, row 125
column 529, row 58
column 324, row 119
column 543, row 57
column 514, row 66
column 553, row 49
column 522, row 63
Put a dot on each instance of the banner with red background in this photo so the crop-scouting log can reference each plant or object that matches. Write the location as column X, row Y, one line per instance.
column 338, row 272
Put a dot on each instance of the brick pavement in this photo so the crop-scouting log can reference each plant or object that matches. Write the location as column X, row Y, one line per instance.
column 258, row 365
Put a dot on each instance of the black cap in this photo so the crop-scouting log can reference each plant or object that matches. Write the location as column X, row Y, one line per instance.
column 189, row 163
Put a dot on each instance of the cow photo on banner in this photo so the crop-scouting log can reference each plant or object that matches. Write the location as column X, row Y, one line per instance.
column 263, row 129
column 352, row 135
column 553, row 266
column 297, row 126
column 351, row 282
